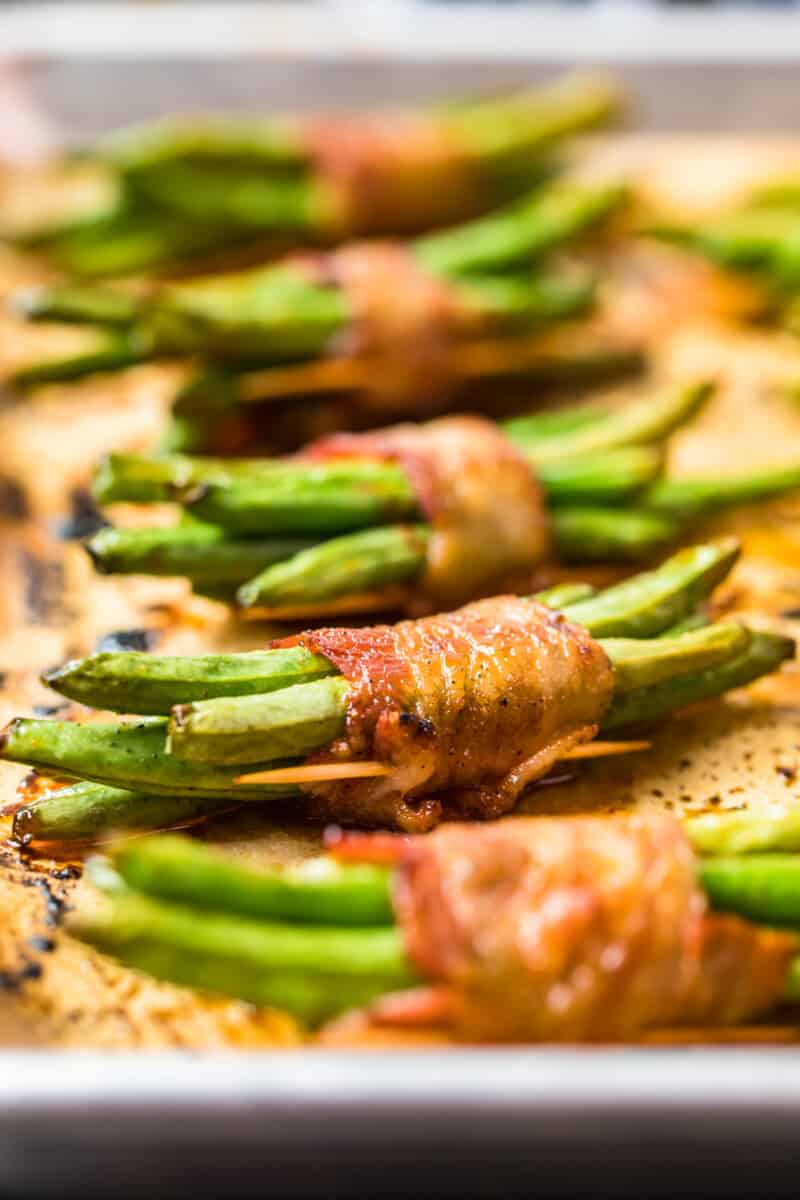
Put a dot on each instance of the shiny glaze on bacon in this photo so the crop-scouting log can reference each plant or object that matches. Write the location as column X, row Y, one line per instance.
column 579, row 929
column 480, row 495
column 467, row 708
column 392, row 174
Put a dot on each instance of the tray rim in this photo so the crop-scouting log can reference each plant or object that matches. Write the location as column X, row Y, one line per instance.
column 398, row 30
column 502, row 1080
column 394, row 1123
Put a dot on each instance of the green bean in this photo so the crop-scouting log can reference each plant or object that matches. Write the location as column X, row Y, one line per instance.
column 88, row 810
column 643, row 422
column 745, row 832
column 585, row 535
column 649, row 603
column 783, row 194
column 541, row 426
column 202, row 553
column 643, row 662
column 287, row 724
column 525, row 231
column 765, row 654
column 694, row 497
column 130, row 239
column 311, row 998
column 153, row 684
column 792, row 989
column 609, row 477
column 498, row 129
column 287, row 508
column 695, row 620
column 137, row 477
column 744, row 240
column 312, row 972
column 518, row 302
column 764, row 887
column 141, row 478
column 268, row 143
column 103, row 204
column 110, row 354
column 361, row 562
column 319, row 891
column 241, row 201
column 129, row 756
column 272, row 314
column 561, row 595
column 78, row 304
column 760, row 241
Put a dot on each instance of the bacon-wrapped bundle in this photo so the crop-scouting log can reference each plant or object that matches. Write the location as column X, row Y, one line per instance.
column 467, row 708
column 196, row 185
column 425, row 517
column 579, row 929
column 370, row 332
column 391, row 174
column 406, row 324
column 394, row 725
column 572, row 929
column 487, row 512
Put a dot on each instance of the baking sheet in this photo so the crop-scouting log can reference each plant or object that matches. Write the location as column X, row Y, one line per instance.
column 477, row 1124
column 457, row 1122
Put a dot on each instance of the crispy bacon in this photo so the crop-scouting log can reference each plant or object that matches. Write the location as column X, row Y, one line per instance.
column 579, row 929
column 392, row 174
column 480, row 494
column 467, row 708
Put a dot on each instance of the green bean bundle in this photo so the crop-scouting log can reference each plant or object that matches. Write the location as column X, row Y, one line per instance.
column 421, row 518
column 200, row 185
column 390, row 725
column 367, row 332
column 420, row 931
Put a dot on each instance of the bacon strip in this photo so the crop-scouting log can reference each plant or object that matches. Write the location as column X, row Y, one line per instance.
column 579, row 929
column 394, row 174
column 467, row 708
column 404, row 326
column 480, row 495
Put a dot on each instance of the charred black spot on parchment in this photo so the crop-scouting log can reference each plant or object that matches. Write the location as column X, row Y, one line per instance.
column 126, row 639
column 50, row 710
column 44, row 586
column 13, row 500
column 84, row 518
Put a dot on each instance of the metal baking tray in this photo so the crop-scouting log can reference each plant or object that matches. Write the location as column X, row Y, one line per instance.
column 544, row 1122
column 475, row 1123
